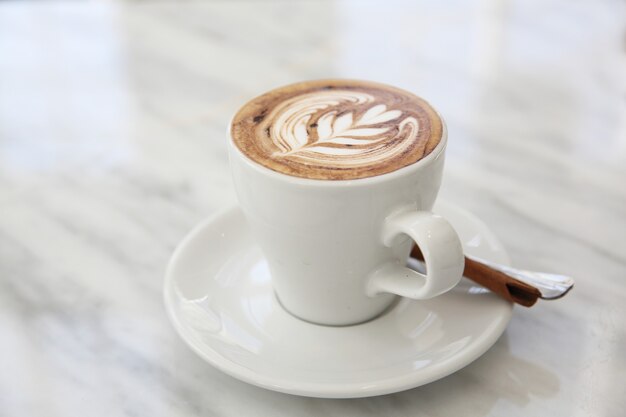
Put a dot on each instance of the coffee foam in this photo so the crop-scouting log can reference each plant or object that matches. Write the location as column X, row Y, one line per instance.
column 336, row 129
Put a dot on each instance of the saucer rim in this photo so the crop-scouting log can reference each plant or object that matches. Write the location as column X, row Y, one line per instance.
column 331, row 390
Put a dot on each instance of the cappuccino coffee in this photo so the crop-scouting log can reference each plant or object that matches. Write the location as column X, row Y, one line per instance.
column 336, row 129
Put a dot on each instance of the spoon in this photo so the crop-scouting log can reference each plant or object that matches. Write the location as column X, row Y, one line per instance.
column 517, row 285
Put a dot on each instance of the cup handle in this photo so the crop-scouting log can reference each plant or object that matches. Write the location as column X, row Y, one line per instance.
column 443, row 255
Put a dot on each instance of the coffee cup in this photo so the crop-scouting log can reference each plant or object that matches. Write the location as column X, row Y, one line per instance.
column 337, row 180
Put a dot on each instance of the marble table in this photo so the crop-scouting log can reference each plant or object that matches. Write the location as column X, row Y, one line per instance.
column 112, row 146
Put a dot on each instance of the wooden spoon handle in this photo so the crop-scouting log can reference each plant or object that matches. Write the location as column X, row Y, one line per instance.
column 498, row 282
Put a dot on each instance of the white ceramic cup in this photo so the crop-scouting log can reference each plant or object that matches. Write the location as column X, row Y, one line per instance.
column 337, row 250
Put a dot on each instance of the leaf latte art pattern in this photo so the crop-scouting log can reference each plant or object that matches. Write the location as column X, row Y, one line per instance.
column 317, row 127
column 336, row 129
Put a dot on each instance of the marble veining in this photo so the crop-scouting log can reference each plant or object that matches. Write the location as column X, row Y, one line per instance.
column 113, row 124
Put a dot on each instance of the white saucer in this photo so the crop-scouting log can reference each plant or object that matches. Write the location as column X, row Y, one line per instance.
column 219, row 297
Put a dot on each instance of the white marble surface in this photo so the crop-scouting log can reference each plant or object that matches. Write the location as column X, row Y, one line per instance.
column 112, row 146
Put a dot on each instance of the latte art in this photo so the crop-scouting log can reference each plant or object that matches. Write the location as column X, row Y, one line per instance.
column 336, row 129
column 314, row 128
